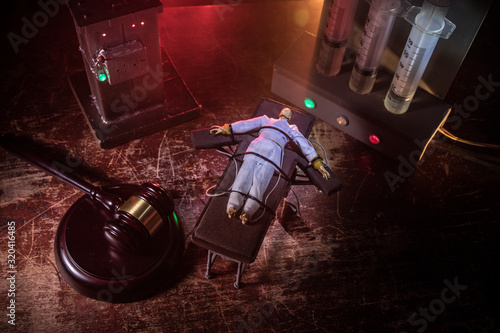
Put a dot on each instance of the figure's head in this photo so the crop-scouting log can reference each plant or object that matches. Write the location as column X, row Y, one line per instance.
column 286, row 113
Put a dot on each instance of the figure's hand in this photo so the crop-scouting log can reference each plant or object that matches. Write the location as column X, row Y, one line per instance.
column 324, row 172
column 317, row 164
column 216, row 131
column 224, row 130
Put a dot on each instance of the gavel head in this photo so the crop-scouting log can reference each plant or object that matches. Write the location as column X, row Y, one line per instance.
column 139, row 218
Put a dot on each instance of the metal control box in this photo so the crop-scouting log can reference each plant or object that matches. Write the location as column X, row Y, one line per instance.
column 120, row 44
column 125, row 62
column 132, row 89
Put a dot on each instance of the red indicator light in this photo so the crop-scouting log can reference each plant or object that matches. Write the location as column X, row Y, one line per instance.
column 142, row 23
column 133, row 25
column 374, row 139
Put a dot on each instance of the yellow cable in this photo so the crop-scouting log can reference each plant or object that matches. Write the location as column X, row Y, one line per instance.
column 473, row 143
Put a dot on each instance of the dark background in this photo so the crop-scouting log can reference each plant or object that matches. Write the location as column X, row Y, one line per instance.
column 362, row 260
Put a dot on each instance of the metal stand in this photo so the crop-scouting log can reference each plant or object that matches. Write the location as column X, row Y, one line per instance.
column 210, row 260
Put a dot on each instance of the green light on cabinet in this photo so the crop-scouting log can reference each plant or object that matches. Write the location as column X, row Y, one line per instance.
column 309, row 103
column 102, row 77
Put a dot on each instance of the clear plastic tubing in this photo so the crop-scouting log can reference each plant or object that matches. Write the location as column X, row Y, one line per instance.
column 427, row 28
column 338, row 27
column 378, row 27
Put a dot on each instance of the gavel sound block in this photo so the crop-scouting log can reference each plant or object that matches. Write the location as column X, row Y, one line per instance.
column 117, row 244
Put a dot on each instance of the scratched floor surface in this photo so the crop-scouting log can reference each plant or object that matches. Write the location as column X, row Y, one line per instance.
column 374, row 257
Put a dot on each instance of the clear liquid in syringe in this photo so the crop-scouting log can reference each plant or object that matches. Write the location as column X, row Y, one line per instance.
column 424, row 35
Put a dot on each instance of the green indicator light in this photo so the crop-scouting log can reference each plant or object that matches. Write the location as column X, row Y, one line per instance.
column 309, row 103
column 102, row 77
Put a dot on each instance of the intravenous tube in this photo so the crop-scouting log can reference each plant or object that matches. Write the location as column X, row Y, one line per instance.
column 338, row 27
column 378, row 27
column 427, row 28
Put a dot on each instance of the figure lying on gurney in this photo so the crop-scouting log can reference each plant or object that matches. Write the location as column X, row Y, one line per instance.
column 259, row 175
column 263, row 157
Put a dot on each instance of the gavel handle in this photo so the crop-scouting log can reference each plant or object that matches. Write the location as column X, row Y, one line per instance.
column 30, row 154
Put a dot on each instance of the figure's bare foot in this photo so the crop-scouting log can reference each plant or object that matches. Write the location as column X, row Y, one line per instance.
column 244, row 218
column 231, row 211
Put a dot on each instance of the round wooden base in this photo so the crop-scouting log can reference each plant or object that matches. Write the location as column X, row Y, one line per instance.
column 95, row 269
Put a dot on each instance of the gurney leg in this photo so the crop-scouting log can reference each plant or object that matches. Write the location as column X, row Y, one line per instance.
column 210, row 261
column 241, row 267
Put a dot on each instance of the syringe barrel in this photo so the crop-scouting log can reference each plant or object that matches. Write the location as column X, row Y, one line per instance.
column 418, row 50
column 378, row 27
column 338, row 26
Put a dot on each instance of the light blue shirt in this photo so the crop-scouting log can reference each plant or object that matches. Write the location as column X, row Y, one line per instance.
column 270, row 143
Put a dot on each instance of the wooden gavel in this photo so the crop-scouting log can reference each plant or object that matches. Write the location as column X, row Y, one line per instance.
column 136, row 219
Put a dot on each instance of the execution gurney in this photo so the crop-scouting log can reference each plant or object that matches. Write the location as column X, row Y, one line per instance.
column 229, row 238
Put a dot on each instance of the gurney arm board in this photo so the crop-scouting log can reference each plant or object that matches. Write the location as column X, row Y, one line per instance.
column 202, row 139
column 327, row 186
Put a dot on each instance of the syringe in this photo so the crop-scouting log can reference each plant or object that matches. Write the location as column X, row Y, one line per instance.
column 378, row 27
column 429, row 24
column 338, row 27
